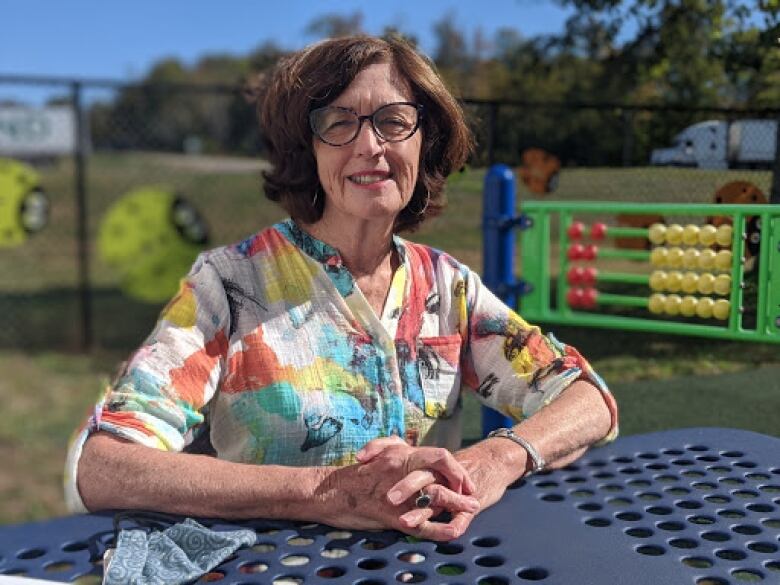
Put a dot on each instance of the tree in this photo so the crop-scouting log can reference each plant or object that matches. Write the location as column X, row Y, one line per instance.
column 451, row 51
column 689, row 52
column 336, row 25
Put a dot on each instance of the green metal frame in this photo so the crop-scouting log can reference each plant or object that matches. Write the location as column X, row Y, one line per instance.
column 535, row 254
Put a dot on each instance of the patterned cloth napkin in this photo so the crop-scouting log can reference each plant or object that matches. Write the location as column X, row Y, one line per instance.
column 177, row 555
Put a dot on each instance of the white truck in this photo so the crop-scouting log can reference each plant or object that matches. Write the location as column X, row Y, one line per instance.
column 720, row 144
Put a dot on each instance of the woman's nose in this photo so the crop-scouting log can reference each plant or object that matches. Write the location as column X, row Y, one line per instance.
column 368, row 143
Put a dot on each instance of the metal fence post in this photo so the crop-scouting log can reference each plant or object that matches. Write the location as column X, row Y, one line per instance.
column 498, row 208
column 774, row 192
column 82, row 229
column 492, row 132
column 628, row 137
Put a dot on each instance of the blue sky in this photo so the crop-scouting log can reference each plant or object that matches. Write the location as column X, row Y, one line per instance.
column 120, row 40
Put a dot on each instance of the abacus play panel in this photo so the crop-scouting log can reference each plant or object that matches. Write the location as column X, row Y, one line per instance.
column 693, row 278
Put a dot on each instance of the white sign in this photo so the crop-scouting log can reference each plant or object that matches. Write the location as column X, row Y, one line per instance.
column 37, row 131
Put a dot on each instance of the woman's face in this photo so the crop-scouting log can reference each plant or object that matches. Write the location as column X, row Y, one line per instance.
column 369, row 178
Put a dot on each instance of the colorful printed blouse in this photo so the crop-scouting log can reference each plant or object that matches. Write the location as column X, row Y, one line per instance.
column 271, row 354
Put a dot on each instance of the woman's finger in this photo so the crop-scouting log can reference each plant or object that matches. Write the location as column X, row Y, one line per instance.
column 442, row 461
column 446, row 499
column 414, row 518
column 376, row 446
column 410, row 486
column 445, row 531
column 438, row 459
column 440, row 496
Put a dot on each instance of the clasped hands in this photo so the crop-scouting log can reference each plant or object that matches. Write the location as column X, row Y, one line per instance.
column 383, row 490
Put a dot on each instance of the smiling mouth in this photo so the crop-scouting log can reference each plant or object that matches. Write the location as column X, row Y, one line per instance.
column 368, row 179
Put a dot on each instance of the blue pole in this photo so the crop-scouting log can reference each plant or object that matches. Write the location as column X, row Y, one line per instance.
column 498, row 244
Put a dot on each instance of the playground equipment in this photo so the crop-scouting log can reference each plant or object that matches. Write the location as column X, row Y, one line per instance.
column 694, row 271
column 151, row 236
column 24, row 206
column 692, row 280
column 539, row 170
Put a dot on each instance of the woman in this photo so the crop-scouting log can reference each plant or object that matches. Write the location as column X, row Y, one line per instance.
column 313, row 371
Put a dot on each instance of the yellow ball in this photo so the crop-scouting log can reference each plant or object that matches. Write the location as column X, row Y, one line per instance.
column 657, row 233
column 659, row 257
column 656, row 303
column 690, row 280
column 723, row 260
column 691, row 258
column 675, row 258
column 706, row 283
column 672, row 304
column 707, row 235
column 688, row 306
column 658, row 280
column 724, row 234
column 690, row 236
column 721, row 309
column 674, row 281
column 707, row 259
column 674, row 234
column 704, row 307
column 722, row 284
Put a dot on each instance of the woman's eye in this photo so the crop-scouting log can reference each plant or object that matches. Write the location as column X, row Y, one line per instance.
column 397, row 122
column 338, row 125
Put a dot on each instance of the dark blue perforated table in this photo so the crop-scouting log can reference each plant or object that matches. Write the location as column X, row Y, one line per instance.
column 690, row 506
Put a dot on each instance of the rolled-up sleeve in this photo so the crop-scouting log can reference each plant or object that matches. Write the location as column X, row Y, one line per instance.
column 512, row 366
column 158, row 398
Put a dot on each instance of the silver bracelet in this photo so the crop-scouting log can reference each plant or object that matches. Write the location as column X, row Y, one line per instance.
column 535, row 456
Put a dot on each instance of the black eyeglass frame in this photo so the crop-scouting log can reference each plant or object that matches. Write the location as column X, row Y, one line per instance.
column 419, row 107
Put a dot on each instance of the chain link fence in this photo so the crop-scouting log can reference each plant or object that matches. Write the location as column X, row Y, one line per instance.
column 147, row 175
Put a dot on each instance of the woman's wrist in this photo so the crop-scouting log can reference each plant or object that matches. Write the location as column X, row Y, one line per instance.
column 511, row 457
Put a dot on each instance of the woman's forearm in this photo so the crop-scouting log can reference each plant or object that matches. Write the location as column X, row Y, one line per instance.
column 561, row 431
column 116, row 474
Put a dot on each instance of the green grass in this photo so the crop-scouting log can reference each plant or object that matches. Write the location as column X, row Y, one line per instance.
column 44, row 396
column 46, row 388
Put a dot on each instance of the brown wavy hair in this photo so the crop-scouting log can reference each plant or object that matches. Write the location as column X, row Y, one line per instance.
column 316, row 76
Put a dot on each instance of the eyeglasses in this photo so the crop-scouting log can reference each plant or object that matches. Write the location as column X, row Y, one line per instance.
column 338, row 126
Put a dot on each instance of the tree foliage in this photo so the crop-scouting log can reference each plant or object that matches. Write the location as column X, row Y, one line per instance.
column 334, row 25
column 687, row 53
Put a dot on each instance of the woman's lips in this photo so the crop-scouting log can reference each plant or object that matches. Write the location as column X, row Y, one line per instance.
column 369, row 179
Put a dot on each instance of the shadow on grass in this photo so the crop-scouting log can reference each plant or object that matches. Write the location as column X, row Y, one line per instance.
column 597, row 344
column 52, row 320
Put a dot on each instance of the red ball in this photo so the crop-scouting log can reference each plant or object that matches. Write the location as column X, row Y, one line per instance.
column 590, row 297
column 574, row 297
column 576, row 229
column 590, row 252
column 575, row 251
column 589, row 275
column 575, row 275
column 598, row 231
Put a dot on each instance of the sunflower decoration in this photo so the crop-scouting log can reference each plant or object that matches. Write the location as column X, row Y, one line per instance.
column 151, row 236
column 24, row 206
